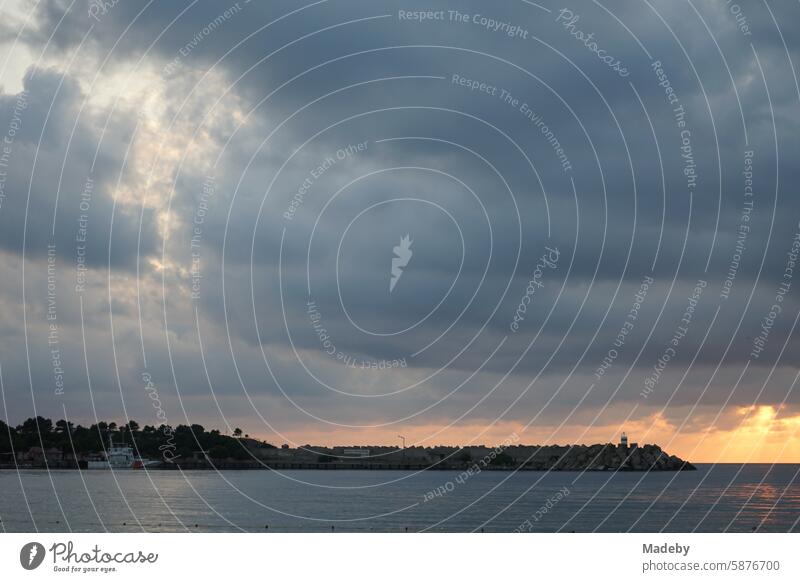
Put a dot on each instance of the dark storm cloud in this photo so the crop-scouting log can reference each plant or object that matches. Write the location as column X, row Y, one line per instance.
column 629, row 216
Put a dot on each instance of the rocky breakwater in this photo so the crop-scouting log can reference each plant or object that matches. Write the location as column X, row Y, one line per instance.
column 605, row 457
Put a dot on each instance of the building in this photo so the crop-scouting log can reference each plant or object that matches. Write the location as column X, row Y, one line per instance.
column 623, row 441
column 38, row 456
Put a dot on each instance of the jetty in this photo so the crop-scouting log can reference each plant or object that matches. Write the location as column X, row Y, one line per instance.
column 597, row 457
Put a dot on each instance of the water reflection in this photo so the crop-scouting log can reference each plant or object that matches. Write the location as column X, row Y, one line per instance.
column 714, row 498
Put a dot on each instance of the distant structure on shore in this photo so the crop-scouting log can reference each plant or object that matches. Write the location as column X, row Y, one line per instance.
column 623, row 442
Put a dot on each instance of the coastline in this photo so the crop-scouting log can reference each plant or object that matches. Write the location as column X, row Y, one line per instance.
column 473, row 459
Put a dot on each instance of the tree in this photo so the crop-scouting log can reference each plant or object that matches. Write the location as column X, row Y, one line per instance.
column 237, row 432
column 38, row 425
column 6, row 437
column 64, row 427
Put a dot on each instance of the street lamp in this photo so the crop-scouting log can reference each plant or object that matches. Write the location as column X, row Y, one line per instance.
column 402, row 438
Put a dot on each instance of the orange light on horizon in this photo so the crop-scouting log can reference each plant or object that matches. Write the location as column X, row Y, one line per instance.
column 747, row 434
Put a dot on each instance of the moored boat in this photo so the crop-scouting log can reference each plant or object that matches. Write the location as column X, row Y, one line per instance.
column 118, row 457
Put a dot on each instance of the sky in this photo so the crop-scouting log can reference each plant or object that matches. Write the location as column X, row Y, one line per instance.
column 345, row 221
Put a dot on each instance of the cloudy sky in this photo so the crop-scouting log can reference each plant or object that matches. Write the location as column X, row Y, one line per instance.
column 203, row 201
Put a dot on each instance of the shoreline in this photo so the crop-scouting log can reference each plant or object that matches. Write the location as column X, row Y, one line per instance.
column 470, row 460
column 361, row 469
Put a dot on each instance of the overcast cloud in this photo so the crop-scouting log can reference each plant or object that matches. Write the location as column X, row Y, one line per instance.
column 212, row 194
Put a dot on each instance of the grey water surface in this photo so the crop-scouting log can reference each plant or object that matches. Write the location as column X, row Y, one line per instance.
column 715, row 498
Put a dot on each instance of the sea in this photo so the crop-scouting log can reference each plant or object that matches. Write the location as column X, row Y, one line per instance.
column 715, row 498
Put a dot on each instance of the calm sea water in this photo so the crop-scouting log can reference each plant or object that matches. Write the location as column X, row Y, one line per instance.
column 714, row 498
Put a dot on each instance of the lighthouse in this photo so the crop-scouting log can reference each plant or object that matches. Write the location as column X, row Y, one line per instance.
column 623, row 441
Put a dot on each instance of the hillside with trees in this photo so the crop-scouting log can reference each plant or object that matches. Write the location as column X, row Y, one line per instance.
column 148, row 441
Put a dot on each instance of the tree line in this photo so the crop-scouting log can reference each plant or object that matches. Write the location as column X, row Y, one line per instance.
column 148, row 441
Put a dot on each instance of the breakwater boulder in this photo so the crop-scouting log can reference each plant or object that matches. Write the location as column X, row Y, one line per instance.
column 604, row 457
column 513, row 457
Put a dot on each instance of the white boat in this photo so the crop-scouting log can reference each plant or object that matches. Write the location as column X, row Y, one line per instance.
column 118, row 457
